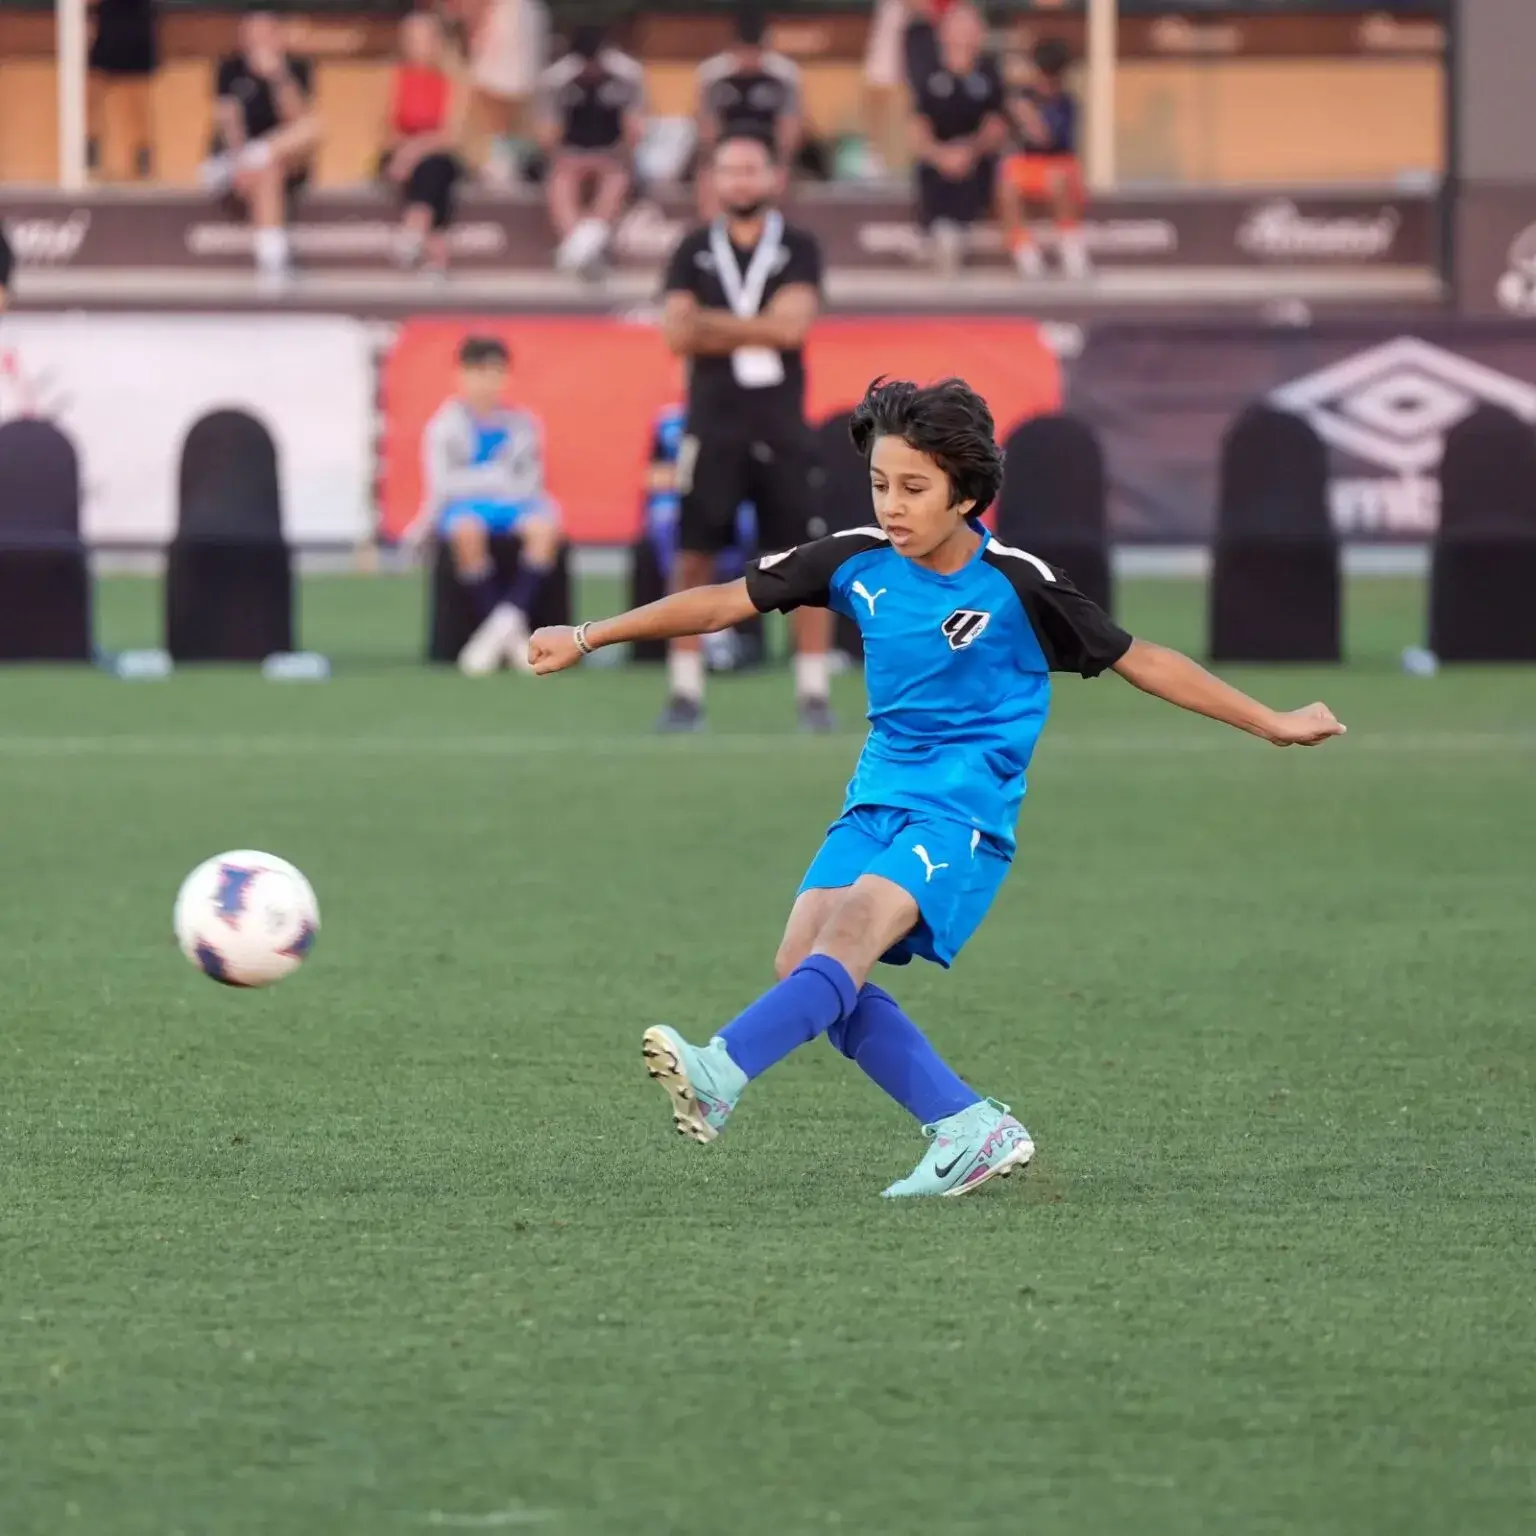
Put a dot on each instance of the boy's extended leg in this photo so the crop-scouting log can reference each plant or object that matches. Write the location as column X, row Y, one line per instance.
column 860, row 923
column 898, row 1057
column 972, row 1139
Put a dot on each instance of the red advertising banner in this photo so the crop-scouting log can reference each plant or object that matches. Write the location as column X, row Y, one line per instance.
column 599, row 383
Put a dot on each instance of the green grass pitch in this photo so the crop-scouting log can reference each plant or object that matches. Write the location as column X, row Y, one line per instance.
column 407, row 1243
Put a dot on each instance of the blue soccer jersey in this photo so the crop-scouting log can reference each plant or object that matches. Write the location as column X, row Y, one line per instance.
column 957, row 667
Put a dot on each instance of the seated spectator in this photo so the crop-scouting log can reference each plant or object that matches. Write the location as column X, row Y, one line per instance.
column 483, row 468
column 1045, row 169
column 267, row 134
column 125, row 52
column 509, row 42
column 751, row 90
column 419, row 158
column 590, row 122
column 958, row 126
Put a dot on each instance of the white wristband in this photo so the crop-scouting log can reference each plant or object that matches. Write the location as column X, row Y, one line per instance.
column 580, row 637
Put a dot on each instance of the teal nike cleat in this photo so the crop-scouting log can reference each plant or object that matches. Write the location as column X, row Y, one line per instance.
column 702, row 1081
column 979, row 1143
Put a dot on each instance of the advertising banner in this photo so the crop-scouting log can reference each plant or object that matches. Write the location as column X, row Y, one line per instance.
column 831, row 32
column 126, row 389
column 857, row 229
column 599, row 384
column 1161, row 400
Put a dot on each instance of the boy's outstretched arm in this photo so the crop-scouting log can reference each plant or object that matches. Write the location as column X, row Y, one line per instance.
column 1173, row 676
column 699, row 611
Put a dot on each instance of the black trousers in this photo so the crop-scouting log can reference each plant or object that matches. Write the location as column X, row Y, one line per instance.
column 432, row 185
column 966, row 201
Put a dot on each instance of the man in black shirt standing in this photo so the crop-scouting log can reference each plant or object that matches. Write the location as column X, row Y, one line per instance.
column 267, row 135
column 741, row 296
column 590, row 121
column 746, row 89
column 959, row 124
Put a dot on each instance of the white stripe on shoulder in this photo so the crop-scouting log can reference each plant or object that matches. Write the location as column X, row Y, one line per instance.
column 1022, row 554
column 622, row 64
column 563, row 71
column 783, row 66
column 871, row 532
column 717, row 67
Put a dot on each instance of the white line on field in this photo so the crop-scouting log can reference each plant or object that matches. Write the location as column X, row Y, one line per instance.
column 427, row 745
column 496, row 1519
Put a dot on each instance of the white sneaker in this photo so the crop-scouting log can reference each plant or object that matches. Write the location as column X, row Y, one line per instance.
column 1029, row 261
column 486, row 649
column 274, row 280
column 515, row 647
column 948, row 247
column 408, row 250
column 583, row 248
column 1074, row 257
column 217, row 173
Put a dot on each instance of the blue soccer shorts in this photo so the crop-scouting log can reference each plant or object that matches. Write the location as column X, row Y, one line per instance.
column 948, row 868
column 499, row 518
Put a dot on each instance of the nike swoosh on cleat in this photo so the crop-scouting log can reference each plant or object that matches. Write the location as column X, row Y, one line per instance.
column 949, row 1167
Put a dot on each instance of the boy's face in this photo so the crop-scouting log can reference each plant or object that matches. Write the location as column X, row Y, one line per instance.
column 912, row 498
column 481, row 384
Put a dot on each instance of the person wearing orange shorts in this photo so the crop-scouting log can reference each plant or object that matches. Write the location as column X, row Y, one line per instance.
column 1045, row 170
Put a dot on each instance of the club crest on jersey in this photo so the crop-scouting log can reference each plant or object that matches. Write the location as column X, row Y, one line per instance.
column 964, row 626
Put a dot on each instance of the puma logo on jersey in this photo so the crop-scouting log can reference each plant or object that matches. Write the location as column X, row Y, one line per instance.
column 928, row 863
column 964, row 626
column 869, row 597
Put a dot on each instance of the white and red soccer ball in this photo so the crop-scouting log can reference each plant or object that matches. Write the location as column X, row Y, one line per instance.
column 246, row 919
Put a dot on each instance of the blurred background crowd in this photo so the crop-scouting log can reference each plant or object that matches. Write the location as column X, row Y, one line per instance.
column 1143, row 219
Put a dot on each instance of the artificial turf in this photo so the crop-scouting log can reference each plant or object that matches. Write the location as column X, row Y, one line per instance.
column 407, row 1243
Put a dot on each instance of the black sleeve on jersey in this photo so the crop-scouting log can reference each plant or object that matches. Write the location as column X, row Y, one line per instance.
column 1075, row 634
column 682, row 269
column 802, row 577
column 804, row 264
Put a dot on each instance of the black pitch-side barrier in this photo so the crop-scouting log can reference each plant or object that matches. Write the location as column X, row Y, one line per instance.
column 1054, row 502
column 1483, row 575
column 229, row 571
column 45, row 582
column 1275, row 592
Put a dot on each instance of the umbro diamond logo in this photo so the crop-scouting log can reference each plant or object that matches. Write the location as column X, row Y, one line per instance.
column 928, row 863
column 964, row 626
column 869, row 597
column 1385, row 413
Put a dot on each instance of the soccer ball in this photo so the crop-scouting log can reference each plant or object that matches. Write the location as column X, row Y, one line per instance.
column 245, row 918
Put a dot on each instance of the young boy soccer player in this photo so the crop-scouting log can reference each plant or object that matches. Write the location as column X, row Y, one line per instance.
column 483, row 467
column 960, row 636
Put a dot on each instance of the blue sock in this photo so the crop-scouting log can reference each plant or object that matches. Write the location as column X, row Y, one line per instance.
column 484, row 589
column 894, row 1053
column 525, row 586
column 817, row 994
